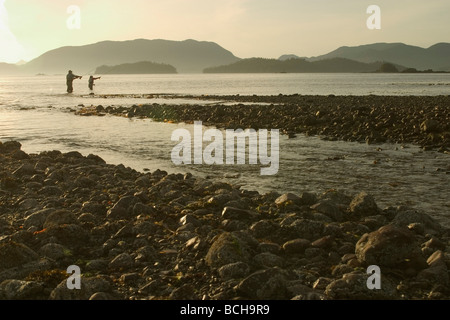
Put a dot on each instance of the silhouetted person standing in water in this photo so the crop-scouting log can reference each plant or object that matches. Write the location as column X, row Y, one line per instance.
column 91, row 82
column 70, row 77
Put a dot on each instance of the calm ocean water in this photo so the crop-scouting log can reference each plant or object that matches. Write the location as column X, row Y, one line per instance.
column 33, row 110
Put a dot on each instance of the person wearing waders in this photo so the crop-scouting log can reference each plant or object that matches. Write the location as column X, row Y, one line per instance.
column 91, row 82
column 69, row 80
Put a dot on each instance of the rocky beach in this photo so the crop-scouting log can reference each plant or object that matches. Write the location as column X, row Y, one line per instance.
column 420, row 120
column 160, row 236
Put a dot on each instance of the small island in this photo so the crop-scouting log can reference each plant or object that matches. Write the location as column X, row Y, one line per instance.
column 143, row 67
column 387, row 67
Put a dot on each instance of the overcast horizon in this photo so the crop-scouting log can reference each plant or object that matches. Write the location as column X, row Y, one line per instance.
column 247, row 28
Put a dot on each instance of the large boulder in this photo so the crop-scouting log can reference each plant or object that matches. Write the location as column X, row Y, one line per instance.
column 14, row 254
column 406, row 216
column 21, row 290
column 231, row 248
column 437, row 272
column 363, row 205
column 392, row 247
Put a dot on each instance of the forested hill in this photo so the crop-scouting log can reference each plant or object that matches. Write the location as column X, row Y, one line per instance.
column 262, row 65
column 143, row 67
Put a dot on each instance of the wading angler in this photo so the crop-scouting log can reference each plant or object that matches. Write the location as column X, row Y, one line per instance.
column 227, row 149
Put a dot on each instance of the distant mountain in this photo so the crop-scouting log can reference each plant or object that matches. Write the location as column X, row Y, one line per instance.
column 436, row 57
column 261, row 65
column 189, row 56
column 7, row 69
column 143, row 67
column 285, row 57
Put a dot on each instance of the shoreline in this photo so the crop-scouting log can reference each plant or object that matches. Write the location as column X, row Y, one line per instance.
column 159, row 236
column 419, row 120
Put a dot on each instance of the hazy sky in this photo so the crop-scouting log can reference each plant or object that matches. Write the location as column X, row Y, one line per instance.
column 248, row 28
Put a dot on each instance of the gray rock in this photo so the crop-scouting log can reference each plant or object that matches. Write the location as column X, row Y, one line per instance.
column 13, row 254
column 96, row 265
column 59, row 217
column 140, row 208
column 143, row 181
column 328, row 208
column 337, row 197
column 230, row 248
column 390, row 246
column 325, row 242
column 299, row 291
column 54, row 251
column 21, row 290
column 152, row 287
column 129, row 277
column 29, row 204
column 51, row 191
column 190, row 218
column 307, row 229
column 123, row 208
column 238, row 214
column 20, row 155
column 353, row 286
column 287, row 198
column 146, row 254
column 89, row 286
column 274, row 248
column 268, row 260
column 321, row 283
column 437, row 272
column 10, row 146
column 219, row 200
column 263, row 228
column 430, row 126
column 121, row 261
column 406, row 216
column 239, row 204
column 269, row 284
column 234, row 270
column 23, row 270
column 70, row 235
column 341, row 269
column 296, row 246
column 308, row 198
column 37, row 219
column 94, row 208
column 25, row 169
column 363, row 205
column 185, row 292
column 435, row 243
column 313, row 252
column 86, row 218
column 125, row 232
column 34, row 185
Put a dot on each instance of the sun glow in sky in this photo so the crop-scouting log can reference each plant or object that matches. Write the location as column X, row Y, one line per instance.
column 248, row 28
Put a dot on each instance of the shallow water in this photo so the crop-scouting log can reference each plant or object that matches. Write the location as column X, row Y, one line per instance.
column 393, row 174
